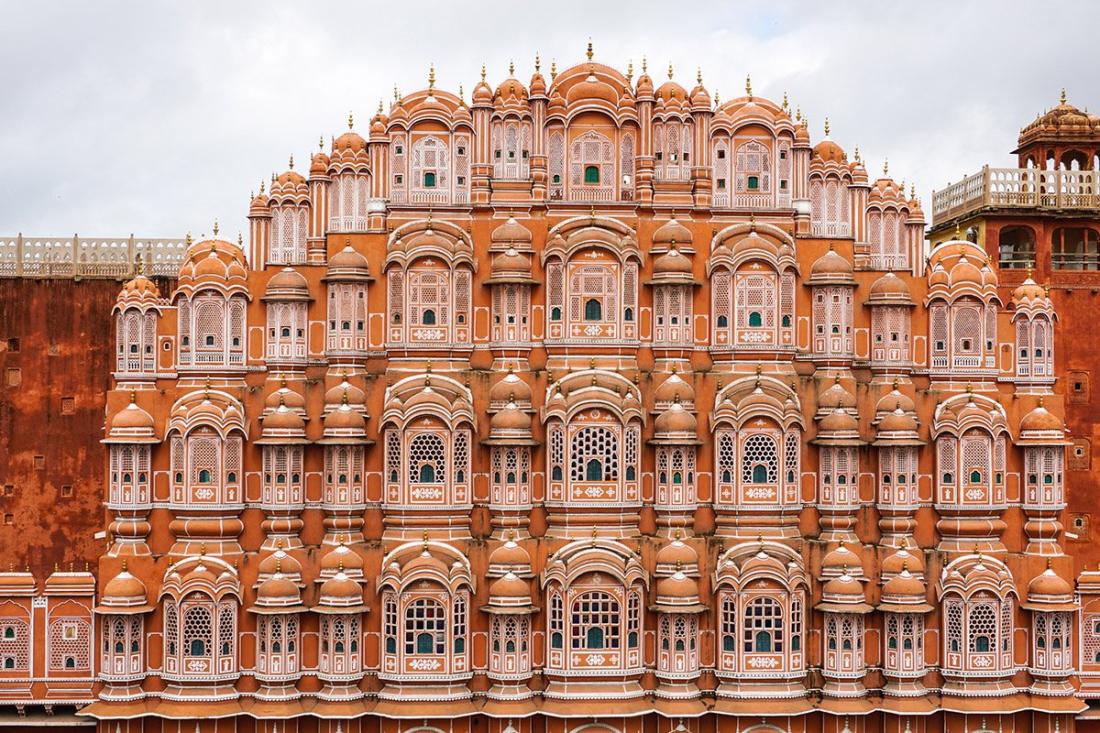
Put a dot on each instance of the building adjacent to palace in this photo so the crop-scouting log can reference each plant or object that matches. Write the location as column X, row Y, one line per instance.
column 588, row 403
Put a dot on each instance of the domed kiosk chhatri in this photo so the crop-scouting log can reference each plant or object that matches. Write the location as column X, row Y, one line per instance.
column 585, row 402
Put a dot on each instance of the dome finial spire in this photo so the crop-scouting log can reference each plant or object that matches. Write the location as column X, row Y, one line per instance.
column 553, row 69
column 857, row 155
column 351, row 119
column 1062, row 98
column 321, row 143
column 291, row 163
column 826, row 126
column 431, row 76
column 511, row 68
column 645, row 65
column 588, row 52
column 699, row 75
column 748, row 85
column 670, row 70
column 215, row 227
column 630, row 70
column 538, row 62
column 886, row 166
column 379, row 105
column 483, row 72
column 786, row 103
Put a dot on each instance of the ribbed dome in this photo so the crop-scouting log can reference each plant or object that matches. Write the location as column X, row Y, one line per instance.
column 673, row 388
column 511, row 555
column 889, row 289
column 124, row 590
column 677, row 554
column 675, row 420
column 673, row 262
column 830, row 152
column 672, row 232
column 278, row 590
column 902, row 586
column 510, row 388
column 511, row 232
column 340, row 590
column 677, row 588
column 510, row 587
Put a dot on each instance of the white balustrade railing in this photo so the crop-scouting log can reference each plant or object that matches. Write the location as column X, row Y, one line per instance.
column 1018, row 188
column 89, row 257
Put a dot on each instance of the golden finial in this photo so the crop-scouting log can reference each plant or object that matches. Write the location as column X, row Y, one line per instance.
column 857, row 155
column 669, row 69
column 912, row 190
column 240, row 239
column 262, row 184
column 138, row 268
column 630, row 70
column 595, row 534
column 786, row 103
column 202, row 548
column 425, row 538
column 292, row 161
column 1062, row 99
column 511, row 68
column 886, row 167
column 826, row 127
column 379, row 105
column 798, row 114
column 748, row 86
column 215, row 227
column 124, row 564
column 645, row 65
column 698, row 75
column 483, row 73
column 431, row 77
column 351, row 118
column 321, row 143
column 588, row 53
column 187, row 239
column 538, row 62
column 717, row 98
column 752, row 222
column 396, row 96
column 553, row 69
column 957, row 232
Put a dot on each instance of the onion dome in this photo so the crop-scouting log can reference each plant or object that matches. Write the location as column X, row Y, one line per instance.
column 287, row 285
column 1040, row 426
column 671, row 97
column 124, row 593
column 510, row 388
column 340, row 594
column 1031, row 295
column 511, row 91
column 900, row 560
column 644, row 87
column 801, row 134
column 834, row 398
column 289, row 183
column 1049, row 591
column 282, row 426
column 889, row 290
column 511, row 235
column 887, row 190
column 843, row 594
column 347, row 265
column 671, row 233
column 341, row 559
column 829, row 152
column 281, row 562
column 838, row 561
column 675, row 425
column 278, row 594
column 349, row 142
column 538, row 83
column 17, row 583
column 344, row 425
column 510, row 424
column 132, row 424
column 509, row 558
column 284, row 395
column 677, row 591
column 213, row 262
column 483, row 95
column 510, row 266
column 509, row 594
column 672, row 389
column 345, row 391
column 831, row 269
column 700, row 97
column 592, row 88
column 904, row 593
column 676, row 555
column 139, row 292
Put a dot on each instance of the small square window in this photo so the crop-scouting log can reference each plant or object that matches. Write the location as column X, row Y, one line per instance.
column 721, row 184
column 687, row 156
column 461, row 150
column 462, row 180
column 68, row 405
column 753, row 183
column 398, row 150
column 54, row 350
column 9, row 519
column 67, row 491
column 496, row 154
column 13, row 345
column 783, row 185
column 660, row 156
column 14, row 376
column 782, row 154
column 9, row 489
column 721, row 155
column 39, row 462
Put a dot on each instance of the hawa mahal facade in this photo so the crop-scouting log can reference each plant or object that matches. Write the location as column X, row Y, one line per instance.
column 588, row 404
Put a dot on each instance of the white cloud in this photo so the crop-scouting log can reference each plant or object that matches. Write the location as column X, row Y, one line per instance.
column 157, row 118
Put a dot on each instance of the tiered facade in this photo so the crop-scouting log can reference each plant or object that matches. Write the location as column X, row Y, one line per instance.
column 587, row 404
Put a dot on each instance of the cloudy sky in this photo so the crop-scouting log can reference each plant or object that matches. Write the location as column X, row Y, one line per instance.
column 157, row 117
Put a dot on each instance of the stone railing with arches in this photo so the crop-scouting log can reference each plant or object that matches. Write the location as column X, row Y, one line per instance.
column 89, row 257
column 1017, row 188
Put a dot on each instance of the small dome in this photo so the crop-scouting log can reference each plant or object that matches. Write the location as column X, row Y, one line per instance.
column 510, row 388
column 838, row 421
column 1049, row 586
column 900, row 560
column 902, row 586
column 889, row 289
column 132, row 418
column 511, row 262
column 349, row 142
column 278, row 590
column 279, row 562
column 510, row 587
column 677, row 588
column 282, row 419
column 898, row 421
column 831, row 268
column 287, row 284
column 511, row 555
column 677, row 554
column 1028, row 291
column 894, row 399
column 829, row 152
column 843, row 589
column 672, row 262
column 345, row 391
column 674, row 388
column 318, row 164
column 1041, row 419
column 839, row 560
column 836, row 397
column 675, row 421
column 510, row 419
column 511, row 232
column 347, row 264
column 284, row 395
column 340, row 591
column 672, row 232
column 342, row 559
column 124, row 590
column 139, row 292
column 482, row 95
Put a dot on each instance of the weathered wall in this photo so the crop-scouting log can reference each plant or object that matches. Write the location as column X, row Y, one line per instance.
column 64, row 333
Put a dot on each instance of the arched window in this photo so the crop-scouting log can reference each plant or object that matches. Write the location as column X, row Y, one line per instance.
column 595, row 621
column 1075, row 248
column 426, row 459
column 755, row 319
column 763, row 626
column 592, row 310
column 593, row 470
column 428, row 317
column 1016, row 248
column 425, row 627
